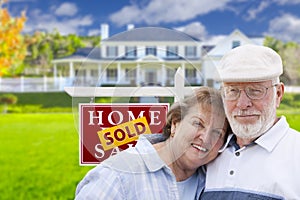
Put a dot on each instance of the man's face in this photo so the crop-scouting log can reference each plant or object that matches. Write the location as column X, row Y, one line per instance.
column 249, row 116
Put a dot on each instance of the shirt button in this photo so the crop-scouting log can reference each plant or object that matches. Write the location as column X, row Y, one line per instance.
column 237, row 153
column 231, row 172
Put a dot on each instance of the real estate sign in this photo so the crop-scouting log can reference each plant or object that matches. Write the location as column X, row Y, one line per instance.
column 107, row 129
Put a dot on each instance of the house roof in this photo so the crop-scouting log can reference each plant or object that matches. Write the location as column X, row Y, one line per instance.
column 88, row 52
column 151, row 34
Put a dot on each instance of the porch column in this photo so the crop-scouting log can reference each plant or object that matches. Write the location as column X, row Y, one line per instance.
column 138, row 76
column 119, row 73
column 163, row 72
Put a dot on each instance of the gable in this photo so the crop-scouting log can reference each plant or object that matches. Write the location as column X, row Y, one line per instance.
column 226, row 44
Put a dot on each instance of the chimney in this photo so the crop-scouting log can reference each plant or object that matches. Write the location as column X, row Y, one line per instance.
column 104, row 31
column 130, row 26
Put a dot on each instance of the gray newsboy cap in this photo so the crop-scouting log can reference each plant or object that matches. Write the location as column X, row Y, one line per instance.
column 249, row 63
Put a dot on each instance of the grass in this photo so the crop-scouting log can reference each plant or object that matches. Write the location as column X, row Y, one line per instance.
column 39, row 156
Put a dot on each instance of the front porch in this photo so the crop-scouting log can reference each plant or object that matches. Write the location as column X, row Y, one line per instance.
column 128, row 73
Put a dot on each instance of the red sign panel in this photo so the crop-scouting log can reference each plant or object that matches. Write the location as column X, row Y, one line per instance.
column 97, row 117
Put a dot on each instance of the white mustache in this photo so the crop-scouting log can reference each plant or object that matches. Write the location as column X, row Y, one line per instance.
column 242, row 113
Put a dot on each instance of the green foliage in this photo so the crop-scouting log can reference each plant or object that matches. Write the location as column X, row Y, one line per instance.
column 273, row 43
column 35, row 109
column 8, row 99
column 290, row 100
column 44, row 99
column 290, row 54
column 44, row 47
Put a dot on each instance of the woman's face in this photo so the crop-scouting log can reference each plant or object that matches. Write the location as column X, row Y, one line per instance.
column 198, row 136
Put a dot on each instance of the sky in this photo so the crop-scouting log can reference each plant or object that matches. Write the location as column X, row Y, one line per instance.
column 208, row 20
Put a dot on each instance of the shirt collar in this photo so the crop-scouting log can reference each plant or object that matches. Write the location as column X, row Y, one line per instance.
column 149, row 154
column 272, row 137
column 267, row 141
column 226, row 144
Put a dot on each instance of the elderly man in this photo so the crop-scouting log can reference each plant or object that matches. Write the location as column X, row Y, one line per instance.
column 261, row 159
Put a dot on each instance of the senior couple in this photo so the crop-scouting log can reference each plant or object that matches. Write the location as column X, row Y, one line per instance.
column 202, row 156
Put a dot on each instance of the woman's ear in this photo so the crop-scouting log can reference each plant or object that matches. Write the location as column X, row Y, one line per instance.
column 173, row 128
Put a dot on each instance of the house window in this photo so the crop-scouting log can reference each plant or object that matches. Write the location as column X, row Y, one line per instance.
column 151, row 50
column 190, row 72
column 235, row 43
column 112, row 51
column 171, row 73
column 190, row 51
column 172, row 51
column 191, row 75
column 130, row 74
column 112, row 74
column 130, row 51
column 94, row 73
column 170, row 76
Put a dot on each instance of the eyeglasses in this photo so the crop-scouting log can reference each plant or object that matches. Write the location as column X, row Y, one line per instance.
column 254, row 92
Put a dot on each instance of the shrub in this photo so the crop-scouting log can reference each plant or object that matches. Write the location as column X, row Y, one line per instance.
column 8, row 99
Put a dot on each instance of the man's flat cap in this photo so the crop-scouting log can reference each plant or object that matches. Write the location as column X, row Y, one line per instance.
column 249, row 63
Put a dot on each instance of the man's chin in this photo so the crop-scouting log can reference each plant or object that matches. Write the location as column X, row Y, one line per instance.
column 246, row 131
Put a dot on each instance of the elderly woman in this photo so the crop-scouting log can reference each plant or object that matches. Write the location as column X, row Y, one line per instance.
column 170, row 169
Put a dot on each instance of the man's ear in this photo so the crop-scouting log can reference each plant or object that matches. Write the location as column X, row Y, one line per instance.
column 279, row 93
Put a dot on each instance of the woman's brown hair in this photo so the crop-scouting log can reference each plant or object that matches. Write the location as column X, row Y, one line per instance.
column 204, row 96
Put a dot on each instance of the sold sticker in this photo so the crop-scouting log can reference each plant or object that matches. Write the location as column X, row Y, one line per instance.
column 123, row 133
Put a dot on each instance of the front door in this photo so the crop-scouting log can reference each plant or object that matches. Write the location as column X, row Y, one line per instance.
column 150, row 76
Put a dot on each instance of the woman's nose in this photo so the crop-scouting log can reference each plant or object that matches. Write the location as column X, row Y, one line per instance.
column 203, row 135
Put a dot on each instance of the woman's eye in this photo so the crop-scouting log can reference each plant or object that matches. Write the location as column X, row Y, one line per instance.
column 217, row 133
column 197, row 124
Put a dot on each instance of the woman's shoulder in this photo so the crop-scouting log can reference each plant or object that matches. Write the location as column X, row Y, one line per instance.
column 130, row 160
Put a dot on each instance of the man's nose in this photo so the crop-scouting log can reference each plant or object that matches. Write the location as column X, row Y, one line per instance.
column 243, row 100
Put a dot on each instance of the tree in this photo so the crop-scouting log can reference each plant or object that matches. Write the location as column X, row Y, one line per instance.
column 43, row 47
column 12, row 45
column 290, row 54
column 291, row 61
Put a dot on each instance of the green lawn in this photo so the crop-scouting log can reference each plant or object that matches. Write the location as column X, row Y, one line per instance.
column 39, row 155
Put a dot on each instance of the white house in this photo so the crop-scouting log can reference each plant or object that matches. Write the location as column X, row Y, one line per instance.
column 138, row 56
column 147, row 56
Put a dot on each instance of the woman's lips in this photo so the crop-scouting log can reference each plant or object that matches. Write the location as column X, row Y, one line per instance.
column 200, row 148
